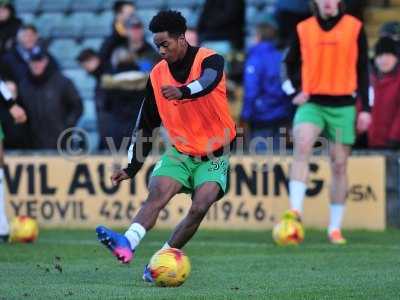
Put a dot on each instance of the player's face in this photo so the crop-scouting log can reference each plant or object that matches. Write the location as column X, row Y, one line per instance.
column 170, row 48
column 328, row 8
column 386, row 62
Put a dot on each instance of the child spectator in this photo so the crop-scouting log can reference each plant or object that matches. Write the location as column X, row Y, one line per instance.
column 384, row 131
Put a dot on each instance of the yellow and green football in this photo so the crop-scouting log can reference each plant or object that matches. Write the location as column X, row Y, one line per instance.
column 169, row 267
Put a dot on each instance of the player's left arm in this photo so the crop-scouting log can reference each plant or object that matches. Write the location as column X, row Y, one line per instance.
column 212, row 71
column 362, row 71
column 364, row 118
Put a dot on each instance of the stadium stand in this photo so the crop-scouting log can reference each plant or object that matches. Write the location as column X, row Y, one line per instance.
column 98, row 25
column 65, row 51
column 27, row 6
column 87, row 5
column 72, row 25
column 46, row 22
column 49, row 6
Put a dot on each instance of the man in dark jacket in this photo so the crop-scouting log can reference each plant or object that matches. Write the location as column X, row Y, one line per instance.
column 266, row 108
column 223, row 21
column 9, row 25
column 51, row 102
column 15, row 63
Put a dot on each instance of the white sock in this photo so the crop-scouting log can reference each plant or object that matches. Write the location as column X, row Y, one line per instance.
column 297, row 191
column 4, row 227
column 337, row 212
column 166, row 246
column 135, row 234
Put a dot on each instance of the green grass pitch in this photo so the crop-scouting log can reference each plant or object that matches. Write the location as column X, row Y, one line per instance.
column 225, row 265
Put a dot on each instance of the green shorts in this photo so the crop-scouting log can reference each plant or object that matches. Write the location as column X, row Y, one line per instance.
column 336, row 123
column 1, row 133
column 192, row 172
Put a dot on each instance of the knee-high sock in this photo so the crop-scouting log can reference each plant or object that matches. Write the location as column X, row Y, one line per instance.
column 297, row 192
column 337, row 212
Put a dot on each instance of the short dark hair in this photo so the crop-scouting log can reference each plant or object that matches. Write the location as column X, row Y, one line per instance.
column 28, row 27
column 86, row 54
column 118, row 5
column 170, row 21
column 265, row 31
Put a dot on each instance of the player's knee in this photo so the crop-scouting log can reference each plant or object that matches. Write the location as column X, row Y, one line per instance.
column 303, row 149
column 339, row 168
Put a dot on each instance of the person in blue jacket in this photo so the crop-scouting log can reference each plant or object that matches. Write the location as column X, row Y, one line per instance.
column 267, row 111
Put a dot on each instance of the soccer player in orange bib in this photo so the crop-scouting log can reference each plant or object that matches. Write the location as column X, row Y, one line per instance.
column 186, row 92
column 329, row 62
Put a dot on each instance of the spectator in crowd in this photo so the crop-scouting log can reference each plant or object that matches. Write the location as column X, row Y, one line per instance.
column 289, row 13
column 266, row 108
column 391, row 29
column 221, row 25
column 51, row 101
column 90, row 61
column 136, row 49
column 192, row 37
column 15, row 63
column 122, row 11
column 9, row 25
column 384, row 131
column 123, row 97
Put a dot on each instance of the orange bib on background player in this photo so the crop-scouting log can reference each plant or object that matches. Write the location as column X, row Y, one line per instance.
column 329, row 58
column 195, row 126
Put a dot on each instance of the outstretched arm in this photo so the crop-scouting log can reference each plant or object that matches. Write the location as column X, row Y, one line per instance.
column 148, row 120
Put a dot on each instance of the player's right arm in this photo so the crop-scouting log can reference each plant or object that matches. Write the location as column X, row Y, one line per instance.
column 292, row 70
column 148, row 120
